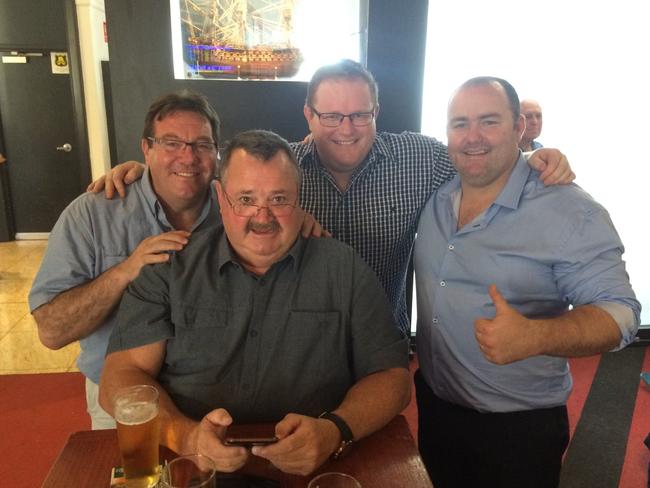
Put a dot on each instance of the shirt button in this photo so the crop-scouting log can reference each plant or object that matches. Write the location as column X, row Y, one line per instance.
column 451, row 247
column 253, row 333
column 435, row 320
column 442, row 283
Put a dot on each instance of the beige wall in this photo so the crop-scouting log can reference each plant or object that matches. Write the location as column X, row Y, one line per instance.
column 94, row 50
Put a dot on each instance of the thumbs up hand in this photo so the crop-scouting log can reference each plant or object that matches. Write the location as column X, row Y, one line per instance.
column 507, row 337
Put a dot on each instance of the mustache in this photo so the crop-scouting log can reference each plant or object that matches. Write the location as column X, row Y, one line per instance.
column 263, row 227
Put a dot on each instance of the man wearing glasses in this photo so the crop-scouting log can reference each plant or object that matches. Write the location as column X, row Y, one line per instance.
column 364, row 187
column 252, row 323
column 368, row 188
column 99, row 246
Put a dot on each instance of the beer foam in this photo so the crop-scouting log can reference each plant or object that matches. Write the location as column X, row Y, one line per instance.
column 135, row 413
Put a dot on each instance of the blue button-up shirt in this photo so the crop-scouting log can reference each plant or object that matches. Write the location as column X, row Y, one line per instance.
column 94, row 234
column 545, row 248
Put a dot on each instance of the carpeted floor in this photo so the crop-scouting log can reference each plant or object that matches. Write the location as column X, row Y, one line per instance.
column 38, row 412
column 608, row 405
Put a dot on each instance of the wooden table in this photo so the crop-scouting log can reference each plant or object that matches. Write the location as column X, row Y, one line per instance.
column 386, row 459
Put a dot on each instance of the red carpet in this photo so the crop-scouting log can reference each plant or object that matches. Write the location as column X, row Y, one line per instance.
column 39, row 411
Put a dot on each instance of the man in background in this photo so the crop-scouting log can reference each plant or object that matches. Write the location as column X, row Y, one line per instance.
column 99, row 246
column 532, row 112
column 512, row 279
column 252, row 323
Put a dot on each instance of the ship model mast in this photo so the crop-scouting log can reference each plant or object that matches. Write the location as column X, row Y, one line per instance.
column 240, row 38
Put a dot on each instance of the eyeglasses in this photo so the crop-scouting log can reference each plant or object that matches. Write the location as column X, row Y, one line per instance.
column 243, row 207
column 334, row 119
column 174, row 146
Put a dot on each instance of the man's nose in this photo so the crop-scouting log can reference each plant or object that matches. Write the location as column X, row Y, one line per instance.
column 187, row 154
column 474, row 132
column 263, row 214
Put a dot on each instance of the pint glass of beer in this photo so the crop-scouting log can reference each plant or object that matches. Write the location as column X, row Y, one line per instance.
column 138, row 432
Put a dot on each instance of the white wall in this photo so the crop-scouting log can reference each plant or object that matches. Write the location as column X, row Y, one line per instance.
column 94, row 50
column 585, row 63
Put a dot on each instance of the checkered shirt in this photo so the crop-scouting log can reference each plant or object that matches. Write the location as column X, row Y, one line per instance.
column 378, row 213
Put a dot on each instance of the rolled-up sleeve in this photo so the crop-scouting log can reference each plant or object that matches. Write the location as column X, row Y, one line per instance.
column 593, row 271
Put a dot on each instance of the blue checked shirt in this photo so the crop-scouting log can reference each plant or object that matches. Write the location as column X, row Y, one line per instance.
column 378, row 213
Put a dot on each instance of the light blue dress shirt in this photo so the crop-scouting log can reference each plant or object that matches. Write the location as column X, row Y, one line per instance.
column 545, row 248
column 94, row 234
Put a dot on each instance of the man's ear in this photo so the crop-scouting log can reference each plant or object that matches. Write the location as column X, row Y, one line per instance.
column 145, row 146
column 220, row 194
column 520, row 126
column 307, row 113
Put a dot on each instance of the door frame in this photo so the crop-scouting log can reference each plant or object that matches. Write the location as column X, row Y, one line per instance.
column 78, row 109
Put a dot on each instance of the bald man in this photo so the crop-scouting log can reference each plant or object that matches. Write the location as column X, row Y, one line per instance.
column 533, row 113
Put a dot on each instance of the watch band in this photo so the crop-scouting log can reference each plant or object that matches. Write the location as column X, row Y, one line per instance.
column 347, row 438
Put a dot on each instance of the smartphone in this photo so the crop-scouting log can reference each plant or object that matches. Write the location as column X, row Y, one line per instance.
column 250, row 441
column 249, row 435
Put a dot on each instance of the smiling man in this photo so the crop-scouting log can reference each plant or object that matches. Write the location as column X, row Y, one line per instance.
column 99, row 246
column 512, row 279
column 367, row 187
column 253, row 323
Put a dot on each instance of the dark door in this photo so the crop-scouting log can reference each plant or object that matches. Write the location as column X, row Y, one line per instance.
column 40, row 140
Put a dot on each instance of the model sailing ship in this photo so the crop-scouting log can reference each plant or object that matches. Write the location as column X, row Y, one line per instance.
column 240, row 38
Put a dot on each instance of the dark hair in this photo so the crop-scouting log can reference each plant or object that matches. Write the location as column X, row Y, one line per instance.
column 185, row 101
column 262, row 144
column 511, row 93
column 346, row 69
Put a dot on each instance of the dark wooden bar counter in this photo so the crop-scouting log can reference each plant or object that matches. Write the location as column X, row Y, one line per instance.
column 386, row 459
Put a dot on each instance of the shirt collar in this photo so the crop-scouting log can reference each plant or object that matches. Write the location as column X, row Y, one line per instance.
column 510, row 195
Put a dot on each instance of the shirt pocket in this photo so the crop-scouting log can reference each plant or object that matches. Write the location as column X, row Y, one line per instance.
column 200, row 342
column 317, row 346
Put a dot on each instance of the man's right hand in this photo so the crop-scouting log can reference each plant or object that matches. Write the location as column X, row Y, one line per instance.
column 206, row 437
column 116, row 179
column 154, row 249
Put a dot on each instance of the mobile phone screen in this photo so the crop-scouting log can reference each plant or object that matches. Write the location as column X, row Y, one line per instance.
column 250, row 441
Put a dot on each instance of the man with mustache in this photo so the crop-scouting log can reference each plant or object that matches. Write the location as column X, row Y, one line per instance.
column 512, row 279
column 253, row 323
column 368, row 188
column 99, row 246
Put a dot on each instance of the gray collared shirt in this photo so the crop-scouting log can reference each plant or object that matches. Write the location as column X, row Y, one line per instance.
column 293, row 340
column 94, row 234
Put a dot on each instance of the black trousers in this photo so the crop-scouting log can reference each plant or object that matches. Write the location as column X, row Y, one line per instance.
column 464, row 448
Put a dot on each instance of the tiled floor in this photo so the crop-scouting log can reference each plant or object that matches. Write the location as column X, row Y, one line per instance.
column 20, row 349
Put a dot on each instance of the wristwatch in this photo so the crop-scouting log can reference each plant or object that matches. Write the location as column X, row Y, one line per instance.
column 346, row 434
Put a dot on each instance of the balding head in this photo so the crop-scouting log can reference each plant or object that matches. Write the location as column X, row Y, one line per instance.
column 532, row 111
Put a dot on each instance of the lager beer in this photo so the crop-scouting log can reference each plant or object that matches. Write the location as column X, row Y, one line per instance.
column 138, row 432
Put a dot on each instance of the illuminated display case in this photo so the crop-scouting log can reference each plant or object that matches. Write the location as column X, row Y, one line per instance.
column 265, row 39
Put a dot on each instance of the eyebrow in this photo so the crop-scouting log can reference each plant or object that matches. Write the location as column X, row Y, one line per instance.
column 464, row 118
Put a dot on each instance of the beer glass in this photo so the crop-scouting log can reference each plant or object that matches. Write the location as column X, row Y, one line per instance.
column 192, row 471
column 334, row 480
column 138, row 432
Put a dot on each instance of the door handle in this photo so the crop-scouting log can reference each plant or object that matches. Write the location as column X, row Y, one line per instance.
column 67, row 147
